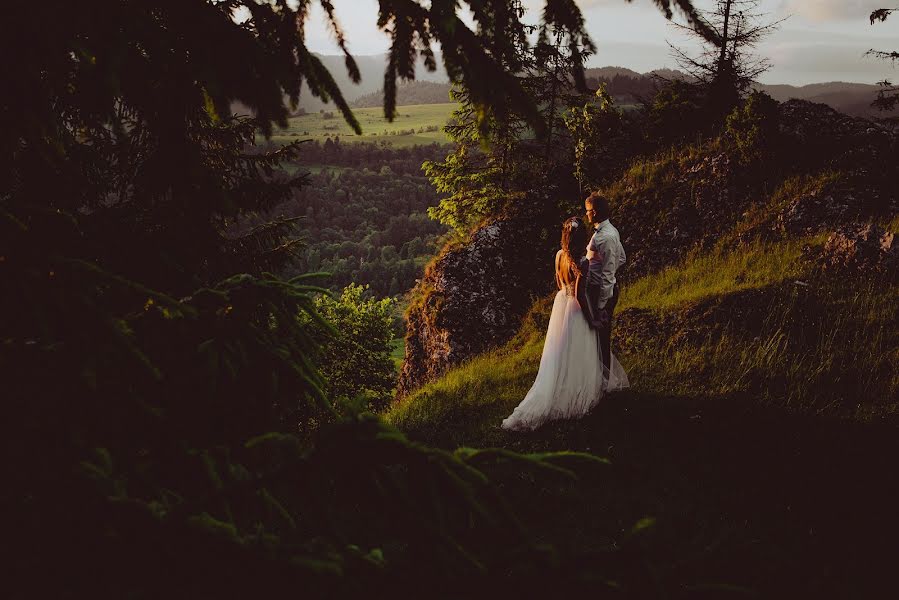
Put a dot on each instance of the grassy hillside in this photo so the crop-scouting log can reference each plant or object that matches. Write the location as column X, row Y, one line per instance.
column 756, row 432
column 416, row 124
column 760, row 321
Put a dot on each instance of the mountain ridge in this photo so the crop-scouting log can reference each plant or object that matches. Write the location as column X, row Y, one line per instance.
column 850, row 97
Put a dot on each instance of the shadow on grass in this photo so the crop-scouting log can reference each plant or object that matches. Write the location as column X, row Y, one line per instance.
column 789, row 505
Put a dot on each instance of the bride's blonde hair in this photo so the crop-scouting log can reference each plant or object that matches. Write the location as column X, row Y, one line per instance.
column 574, row 245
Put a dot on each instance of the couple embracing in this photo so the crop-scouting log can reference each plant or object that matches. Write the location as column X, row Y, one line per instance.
column 577, row 367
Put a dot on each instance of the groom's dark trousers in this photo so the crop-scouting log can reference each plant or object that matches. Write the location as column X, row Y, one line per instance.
column 605, row 333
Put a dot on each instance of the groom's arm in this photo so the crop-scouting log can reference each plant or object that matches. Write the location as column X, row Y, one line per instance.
column 606, row 251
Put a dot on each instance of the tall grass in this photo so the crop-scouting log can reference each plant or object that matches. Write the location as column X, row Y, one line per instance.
column 699, row 276
column 830, row 348
column 474, row 397
column 664, row 167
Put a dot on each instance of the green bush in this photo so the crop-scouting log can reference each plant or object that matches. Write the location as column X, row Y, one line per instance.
column 752, row 127
column 603, row 140
column 356, row 348
column 675, row 114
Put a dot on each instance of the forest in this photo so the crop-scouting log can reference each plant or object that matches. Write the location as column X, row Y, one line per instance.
column 413, row 92
column 200, row 396
column 364, row 214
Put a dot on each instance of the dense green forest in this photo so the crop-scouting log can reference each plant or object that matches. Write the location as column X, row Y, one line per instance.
column 413, row 92
column 364, row 209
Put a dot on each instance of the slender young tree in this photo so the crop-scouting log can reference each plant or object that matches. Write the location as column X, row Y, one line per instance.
column 480, row 180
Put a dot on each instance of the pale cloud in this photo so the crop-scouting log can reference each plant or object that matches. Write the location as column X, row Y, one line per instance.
column 833, row 10
column 536, row 6
column 825, row 41
column 591, row 3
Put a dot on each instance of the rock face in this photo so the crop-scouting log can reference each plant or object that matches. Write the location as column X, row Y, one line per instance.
column 810, row 211
column 698, row 200
column 861, row 247
column 473, row 297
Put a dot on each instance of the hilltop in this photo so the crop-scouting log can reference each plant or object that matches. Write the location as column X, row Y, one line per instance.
column 757, row 324
column 819, row 171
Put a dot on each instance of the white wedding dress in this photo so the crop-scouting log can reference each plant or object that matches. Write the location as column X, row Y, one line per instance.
column 570, row 381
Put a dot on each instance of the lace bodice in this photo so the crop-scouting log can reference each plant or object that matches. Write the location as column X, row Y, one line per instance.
column 569, row 287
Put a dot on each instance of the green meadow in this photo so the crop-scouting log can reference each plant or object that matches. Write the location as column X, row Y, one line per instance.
column 413, row 125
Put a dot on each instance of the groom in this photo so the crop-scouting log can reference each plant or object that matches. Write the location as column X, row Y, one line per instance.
column 605, row 255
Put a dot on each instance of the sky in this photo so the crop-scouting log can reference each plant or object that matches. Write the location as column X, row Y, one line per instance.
column 821, row 40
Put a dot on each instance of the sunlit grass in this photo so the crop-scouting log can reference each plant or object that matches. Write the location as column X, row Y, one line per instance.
column 700, row 276
column 825, row 345
column 474, row 397
column 397, row 353
column 830, row 348
column 663, row 167
column 890, row 224
column 787, row 192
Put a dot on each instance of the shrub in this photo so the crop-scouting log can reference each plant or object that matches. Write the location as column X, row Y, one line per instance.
column 675, row 113
column 357, row 362
column 602, row 140
column 752, row 127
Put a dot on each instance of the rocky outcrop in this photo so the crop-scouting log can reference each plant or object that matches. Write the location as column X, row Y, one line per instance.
column 687, row 203
column 848, row 164
column 823, row 140
column 473, row 296
column 810, row 211
column 816, row 132
column 863, row 247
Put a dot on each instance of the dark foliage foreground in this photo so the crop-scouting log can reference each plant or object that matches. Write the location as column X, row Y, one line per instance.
column 746, row 500
column 155, row 451
column 164, row 429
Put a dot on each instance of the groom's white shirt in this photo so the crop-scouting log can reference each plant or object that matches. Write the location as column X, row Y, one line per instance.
column 606, row 255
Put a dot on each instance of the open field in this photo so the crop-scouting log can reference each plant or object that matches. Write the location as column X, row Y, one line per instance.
column 410, row 127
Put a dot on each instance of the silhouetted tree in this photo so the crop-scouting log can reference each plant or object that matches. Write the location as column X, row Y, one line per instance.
column 888, row 95
column 726, row 68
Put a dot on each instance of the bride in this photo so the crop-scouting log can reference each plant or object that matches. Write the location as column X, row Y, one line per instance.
column 571, row 379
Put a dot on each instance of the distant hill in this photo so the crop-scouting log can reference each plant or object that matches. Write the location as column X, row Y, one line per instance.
column 625, row 85
column 850, row 98
column 407, row 94
column 610, row 72
column 371, row 69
